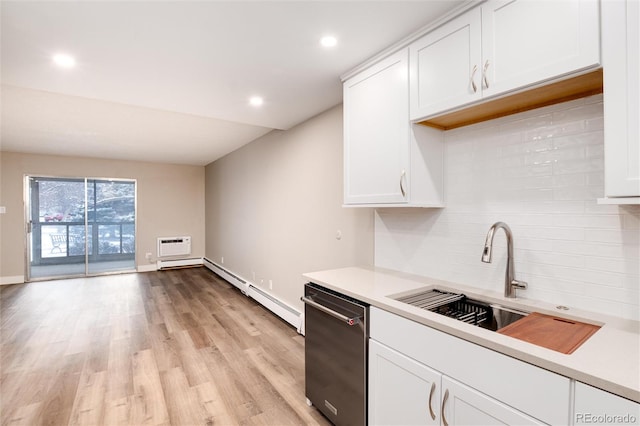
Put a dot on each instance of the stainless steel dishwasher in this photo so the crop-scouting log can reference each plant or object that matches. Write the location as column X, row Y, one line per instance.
column 336, row 333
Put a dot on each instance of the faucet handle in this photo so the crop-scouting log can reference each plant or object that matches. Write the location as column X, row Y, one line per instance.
column 521, row 285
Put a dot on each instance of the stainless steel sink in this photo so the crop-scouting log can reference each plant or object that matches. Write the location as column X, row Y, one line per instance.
column 502, row 317
column 458, row 306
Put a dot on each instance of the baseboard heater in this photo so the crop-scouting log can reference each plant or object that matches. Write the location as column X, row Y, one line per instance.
column 267, row 300
column 180, row 263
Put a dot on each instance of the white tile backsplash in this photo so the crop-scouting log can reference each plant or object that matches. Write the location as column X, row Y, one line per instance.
column 540, row 172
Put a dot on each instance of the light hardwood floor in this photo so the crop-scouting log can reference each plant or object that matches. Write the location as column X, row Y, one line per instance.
column 178, row 347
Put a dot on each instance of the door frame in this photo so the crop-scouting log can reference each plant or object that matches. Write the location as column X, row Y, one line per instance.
column 28, row 224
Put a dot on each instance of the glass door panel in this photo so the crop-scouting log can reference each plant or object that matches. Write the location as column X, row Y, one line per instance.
column 112, row 214
column 55, row 206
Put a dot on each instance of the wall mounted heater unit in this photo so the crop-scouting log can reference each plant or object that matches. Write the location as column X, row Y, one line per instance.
column 174, row 246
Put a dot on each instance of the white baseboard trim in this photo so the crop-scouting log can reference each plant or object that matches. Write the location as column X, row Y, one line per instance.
column 15, row 279
column 147, row 268
column 266, row 299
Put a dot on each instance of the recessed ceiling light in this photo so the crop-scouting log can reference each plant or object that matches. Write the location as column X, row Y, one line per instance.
column 64, row 61
column 256, row 101
column 328, row 41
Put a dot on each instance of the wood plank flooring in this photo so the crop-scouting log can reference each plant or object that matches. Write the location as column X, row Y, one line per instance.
column 179, row 347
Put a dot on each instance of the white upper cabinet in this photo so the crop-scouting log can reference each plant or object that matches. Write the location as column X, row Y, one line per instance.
column 444, row 66
column 499, row 47
column 387, row 160
column 620, row 52
column 376, row 133
column 530, row 41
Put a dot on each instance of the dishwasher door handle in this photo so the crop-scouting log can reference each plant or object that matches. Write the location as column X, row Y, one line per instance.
column 343, row 318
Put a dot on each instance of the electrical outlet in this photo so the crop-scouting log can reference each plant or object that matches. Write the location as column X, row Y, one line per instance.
column 148, row 256
column 222, row 260
column 270, row 285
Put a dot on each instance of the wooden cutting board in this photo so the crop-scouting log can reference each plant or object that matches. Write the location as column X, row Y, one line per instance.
column 559, row 334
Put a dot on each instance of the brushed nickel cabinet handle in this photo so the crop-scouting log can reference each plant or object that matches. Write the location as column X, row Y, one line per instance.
column 433, row 388
column 472, row 79
column 444, row 402
column 484, row 74
column 402, row 175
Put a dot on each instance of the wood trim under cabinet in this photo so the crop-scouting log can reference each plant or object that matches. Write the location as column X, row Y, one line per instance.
column 562, row 91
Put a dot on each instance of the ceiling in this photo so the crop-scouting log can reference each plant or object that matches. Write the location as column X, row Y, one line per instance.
column 170, row 81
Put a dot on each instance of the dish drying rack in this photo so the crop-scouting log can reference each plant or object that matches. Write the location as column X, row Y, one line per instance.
column 452, row 305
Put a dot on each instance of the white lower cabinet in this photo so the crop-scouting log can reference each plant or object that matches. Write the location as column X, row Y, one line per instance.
column 421, row 376
column 462, row 405
column 403, row 391
column 473, row 384
column 595, row 406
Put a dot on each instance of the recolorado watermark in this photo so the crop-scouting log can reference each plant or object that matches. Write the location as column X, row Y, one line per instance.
column 590, row 418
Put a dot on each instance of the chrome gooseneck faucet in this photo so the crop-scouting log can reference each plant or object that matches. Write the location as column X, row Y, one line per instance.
column 510, row 282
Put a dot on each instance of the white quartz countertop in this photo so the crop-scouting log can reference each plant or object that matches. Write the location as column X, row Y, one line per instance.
column 609, row 360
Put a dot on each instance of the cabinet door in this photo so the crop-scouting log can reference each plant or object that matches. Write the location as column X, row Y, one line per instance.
column 529, row 41
column 401, row 390
column 376, row 133
column 462, row 405
column 444, row 66
column 594, row 406
column 620, row 53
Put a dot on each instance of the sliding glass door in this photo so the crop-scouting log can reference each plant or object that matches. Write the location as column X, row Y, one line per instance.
column 80, row 226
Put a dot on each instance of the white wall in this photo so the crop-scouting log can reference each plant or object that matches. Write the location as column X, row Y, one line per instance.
column 274, row 206
column 170, row 201
column 540, row 172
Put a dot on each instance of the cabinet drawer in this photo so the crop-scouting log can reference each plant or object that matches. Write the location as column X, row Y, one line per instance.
column 530, row 389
